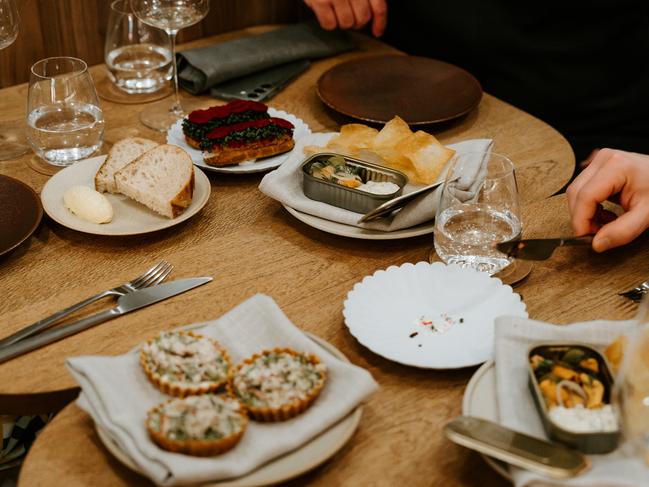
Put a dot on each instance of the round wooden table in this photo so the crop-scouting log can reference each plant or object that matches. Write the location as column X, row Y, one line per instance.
column 250, row 244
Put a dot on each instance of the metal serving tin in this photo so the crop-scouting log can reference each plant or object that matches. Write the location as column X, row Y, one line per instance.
column 349, row 198
column 596, row 442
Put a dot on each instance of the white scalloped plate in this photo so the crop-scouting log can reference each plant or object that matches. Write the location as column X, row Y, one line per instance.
column 383, row 312
column 175, row 136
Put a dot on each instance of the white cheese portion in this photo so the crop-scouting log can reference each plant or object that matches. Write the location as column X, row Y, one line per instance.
column 582, row 420
column 379, row 187
column 88, row 204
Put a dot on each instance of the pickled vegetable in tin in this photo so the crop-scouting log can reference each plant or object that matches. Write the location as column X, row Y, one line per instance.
column 335, row 170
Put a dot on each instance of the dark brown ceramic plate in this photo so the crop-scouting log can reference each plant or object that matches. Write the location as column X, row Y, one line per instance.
column 20, row 213
column 418, row 89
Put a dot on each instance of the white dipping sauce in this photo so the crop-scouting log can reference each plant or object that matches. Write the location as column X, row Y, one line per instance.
column 379, row 187
column 582, row 420
column 88, row 204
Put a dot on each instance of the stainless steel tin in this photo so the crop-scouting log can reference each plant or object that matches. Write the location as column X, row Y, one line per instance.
column 596, row 442
column 348, row 198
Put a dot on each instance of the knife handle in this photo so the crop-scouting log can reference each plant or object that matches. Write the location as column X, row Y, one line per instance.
column 585, row 240
column 47, row 337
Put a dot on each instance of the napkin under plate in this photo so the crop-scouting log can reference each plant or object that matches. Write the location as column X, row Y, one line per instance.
column 514, row 337
column 285, row 185
column 117, row 395
column 202, row 68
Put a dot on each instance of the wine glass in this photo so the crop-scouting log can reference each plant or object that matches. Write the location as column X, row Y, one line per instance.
column 478, row 207
column 12, row 138
column 170, row 16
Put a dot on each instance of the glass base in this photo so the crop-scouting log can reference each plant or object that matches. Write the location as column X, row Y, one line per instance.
column 109, row 92
column 158, row 116
column 510, row 275
column 43, row 167
column 13, row 142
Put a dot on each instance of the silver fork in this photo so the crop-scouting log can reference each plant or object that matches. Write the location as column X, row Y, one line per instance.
column 637, row 293
column 153, row 276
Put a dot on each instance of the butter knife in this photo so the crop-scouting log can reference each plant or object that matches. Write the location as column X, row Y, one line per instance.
column 539, row 248
column 533, row 454
column 125, row 304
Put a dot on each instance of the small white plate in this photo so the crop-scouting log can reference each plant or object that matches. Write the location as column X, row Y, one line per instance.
column 481, row 401
column 387, row 310
column 130, row 217
column 175, row 136
column 358, row 232
column 288, row 466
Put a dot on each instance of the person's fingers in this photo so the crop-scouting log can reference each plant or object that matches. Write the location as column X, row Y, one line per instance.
column 608, row 180
column 344, row 13
column 324, row 12
column 379, row 16
column 600, row 159
column 362, row 13
column 622, row 230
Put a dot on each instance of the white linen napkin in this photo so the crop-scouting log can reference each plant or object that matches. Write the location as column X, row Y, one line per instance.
column 117, row 395
column 514, row 337
column 285, row 185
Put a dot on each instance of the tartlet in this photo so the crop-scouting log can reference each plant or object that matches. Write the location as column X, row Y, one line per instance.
column 205, row 425
column 278, row 384
column 182, row 363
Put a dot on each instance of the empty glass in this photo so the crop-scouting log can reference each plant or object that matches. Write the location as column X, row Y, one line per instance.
column 473, row 215
column 138, row 56
column 65, row 123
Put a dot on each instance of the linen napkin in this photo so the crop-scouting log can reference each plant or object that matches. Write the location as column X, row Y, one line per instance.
column 200, row 69
column 514, row 337
column 117, row 395
column 285, row 185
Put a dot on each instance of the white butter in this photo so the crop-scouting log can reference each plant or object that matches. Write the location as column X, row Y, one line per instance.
column 88, row 204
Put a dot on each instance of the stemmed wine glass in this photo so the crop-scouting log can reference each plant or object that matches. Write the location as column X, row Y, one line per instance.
column 170, row 16
column 12, row 139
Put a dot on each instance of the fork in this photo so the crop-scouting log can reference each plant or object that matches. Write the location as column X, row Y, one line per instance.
column 153, row 276
column 636, row 294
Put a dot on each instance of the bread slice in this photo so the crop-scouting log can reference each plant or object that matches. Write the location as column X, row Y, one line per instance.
column 249, row 152
column 123, row 152
column 162, row 179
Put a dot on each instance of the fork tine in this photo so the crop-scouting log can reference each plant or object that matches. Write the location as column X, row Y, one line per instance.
column 163, row 271
column 139, row 281
column 161, row 277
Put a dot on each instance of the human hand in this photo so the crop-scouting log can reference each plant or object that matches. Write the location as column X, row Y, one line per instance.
column 350, row 14
column 612, row 173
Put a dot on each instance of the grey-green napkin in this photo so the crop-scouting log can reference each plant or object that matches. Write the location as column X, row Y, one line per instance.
column 200, row 69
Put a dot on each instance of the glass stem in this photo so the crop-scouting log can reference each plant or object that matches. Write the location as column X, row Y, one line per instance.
column 176, row 108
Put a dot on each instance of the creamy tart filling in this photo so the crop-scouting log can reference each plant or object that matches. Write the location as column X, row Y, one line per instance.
column 205, row 417
column 278, row 378
column 183, row 358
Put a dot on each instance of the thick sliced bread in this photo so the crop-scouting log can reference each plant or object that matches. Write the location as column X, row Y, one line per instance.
column 122, row 153
column 161, row 179
column 249, row 152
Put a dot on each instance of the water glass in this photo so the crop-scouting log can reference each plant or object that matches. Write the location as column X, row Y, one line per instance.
column 138, row 56
column 476, row 212
column 65, row 123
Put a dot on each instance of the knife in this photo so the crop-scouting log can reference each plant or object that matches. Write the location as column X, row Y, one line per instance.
column 125, row 304
column 533, row 454
column 539, row 248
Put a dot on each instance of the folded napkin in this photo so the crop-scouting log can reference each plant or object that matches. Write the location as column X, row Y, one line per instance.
column 117, row 394
column 514, row 336
column 200, row 69
column 285, row 185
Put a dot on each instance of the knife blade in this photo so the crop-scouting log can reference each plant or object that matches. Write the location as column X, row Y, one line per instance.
column 125, row 304
column 539, row 248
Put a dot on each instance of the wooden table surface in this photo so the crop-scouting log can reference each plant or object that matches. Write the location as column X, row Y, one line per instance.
column 250, row 244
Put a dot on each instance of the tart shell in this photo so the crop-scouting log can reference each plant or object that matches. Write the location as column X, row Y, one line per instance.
column 287, row 411
column 179, row 389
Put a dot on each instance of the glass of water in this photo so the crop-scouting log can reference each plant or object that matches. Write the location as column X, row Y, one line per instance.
column 65, row 123
column 138, row 56
column 472, row 216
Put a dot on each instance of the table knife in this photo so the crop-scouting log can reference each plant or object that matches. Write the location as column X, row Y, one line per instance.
column 521, row 450
column 539, row 248
column 125, row 304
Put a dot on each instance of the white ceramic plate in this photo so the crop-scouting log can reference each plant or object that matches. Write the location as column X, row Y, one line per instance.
column 292, row 464
column 385, row 310
column 481, row 401
column 175, row 136
column 130, row 217
column 358, row 232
